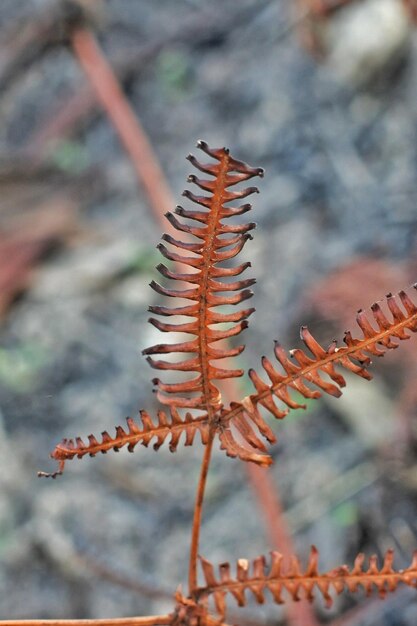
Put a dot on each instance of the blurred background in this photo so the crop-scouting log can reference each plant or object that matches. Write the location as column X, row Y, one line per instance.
column 323, row 96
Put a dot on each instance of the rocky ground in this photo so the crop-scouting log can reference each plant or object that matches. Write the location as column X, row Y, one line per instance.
column 336, row 217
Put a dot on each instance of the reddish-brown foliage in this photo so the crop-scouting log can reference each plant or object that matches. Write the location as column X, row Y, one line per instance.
column 311, row 373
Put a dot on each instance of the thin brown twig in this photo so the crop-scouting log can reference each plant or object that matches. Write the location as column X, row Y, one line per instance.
column 323, row 8
column 130, row 131
column 66, row 117
column 94, row 64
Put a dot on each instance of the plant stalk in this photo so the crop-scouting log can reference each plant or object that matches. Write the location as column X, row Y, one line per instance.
column 195, row 534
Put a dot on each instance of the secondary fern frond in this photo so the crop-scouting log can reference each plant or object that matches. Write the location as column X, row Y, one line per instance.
column 216, row 243
column 257, row 577
column 143, row 433
column 303, row 372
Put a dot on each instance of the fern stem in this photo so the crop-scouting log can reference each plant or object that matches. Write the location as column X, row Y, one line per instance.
column 154, row 620
column 195, row 534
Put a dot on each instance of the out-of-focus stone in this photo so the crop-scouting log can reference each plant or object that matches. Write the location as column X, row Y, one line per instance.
column 366, row 38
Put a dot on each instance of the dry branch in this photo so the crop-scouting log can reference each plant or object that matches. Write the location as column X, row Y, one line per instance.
column 131, row 133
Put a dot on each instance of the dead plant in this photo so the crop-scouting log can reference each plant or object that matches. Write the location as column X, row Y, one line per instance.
column 195, row 406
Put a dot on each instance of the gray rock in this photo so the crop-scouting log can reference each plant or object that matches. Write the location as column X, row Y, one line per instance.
column 366, row 38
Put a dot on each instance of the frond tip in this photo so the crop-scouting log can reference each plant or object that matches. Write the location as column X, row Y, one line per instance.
column 174, row 426
column 257, row 577
column 211, row 244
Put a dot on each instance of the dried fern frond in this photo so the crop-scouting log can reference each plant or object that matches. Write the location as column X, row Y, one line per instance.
column 216, row 243
column 257, row 577
column 143, row 433
column 166, row 426
column 303, row 372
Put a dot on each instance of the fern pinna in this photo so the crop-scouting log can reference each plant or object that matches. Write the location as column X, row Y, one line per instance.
column 194, row 405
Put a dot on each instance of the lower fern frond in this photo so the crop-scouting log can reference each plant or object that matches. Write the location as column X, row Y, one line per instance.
column 257, row 577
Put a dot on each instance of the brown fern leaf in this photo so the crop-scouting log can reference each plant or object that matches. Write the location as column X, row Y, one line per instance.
column 302, row 369
column 216, row 243
column 296, row 583
column 136, row 433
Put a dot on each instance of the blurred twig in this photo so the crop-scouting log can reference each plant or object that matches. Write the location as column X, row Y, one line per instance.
column 130, row 130
column 67, row 116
